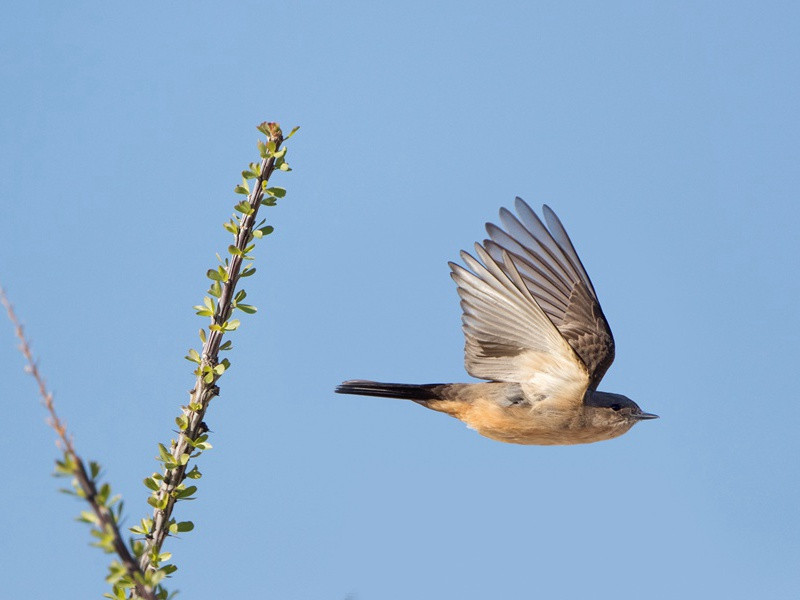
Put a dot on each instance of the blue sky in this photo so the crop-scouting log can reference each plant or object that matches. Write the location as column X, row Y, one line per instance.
column 665, row 135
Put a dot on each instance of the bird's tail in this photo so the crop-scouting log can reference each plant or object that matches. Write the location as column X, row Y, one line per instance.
column 417, row 393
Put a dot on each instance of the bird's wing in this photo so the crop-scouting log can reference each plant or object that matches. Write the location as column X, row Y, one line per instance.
column 553, row 274
column 508, row 335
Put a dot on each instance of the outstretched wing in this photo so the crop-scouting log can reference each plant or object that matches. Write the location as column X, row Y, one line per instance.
column 508, row 335
column 553, row 274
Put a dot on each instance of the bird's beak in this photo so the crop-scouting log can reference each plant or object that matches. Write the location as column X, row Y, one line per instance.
column 644, row 416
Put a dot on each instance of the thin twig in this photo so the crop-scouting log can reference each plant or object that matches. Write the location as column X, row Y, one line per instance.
column 106, row 519
column 203, row 392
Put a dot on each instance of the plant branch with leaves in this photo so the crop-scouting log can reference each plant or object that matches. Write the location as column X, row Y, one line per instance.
column 169, row 486
column 142, row 566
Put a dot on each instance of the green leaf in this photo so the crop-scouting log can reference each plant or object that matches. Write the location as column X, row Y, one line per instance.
column 215, row 290
column 194, row 355
column 163, row 454
column 226, row 346
column 158, row 503
column 194, row 473
column 214, row 275
column 284, row 166
column 247, row 271
column 231, row 227
column 244, row 207
column 247, row 308
column 260, row 233
column 88, row 516
column 185, row 526
column 242, row 188
column 202, row 334
column 234, row 250
column 185, row 493
column 182, row 422
column 291, row 133
column 232, row 325
column 278, row 192
column 94, row 469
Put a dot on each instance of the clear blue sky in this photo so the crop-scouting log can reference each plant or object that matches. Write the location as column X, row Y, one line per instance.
column 666, row 136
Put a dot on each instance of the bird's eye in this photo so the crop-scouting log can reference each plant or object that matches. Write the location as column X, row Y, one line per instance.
column 616, row 406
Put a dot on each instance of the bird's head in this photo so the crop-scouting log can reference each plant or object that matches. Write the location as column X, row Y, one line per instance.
column 613, row 412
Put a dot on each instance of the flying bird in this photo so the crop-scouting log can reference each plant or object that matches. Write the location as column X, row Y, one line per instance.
column 535, row 330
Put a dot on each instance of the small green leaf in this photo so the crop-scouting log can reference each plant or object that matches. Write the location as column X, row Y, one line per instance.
column 234, row 250
column 194, row 355
column 247, row 308
column 202, row 334
column 88, row 517
column 194, row 473
column 243, row 188
column 185, row 526
column 226, row 346
column 291, row 133
column 151, row 483
column 163, row 454
column 278, row 192
column 214, row 275
column 185, row 493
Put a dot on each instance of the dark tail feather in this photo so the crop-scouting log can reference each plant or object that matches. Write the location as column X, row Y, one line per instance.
column 417, row 393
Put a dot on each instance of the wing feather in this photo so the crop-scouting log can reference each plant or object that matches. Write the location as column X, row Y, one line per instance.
column 508, row 335
column 550, row 270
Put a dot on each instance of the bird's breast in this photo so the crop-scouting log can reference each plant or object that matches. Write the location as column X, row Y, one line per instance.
column 545, row 421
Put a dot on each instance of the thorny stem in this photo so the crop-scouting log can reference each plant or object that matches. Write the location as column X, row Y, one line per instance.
column 103, row 513
column 203, row 392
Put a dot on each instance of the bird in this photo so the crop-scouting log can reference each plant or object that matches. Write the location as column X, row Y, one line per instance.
column 536, row 333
